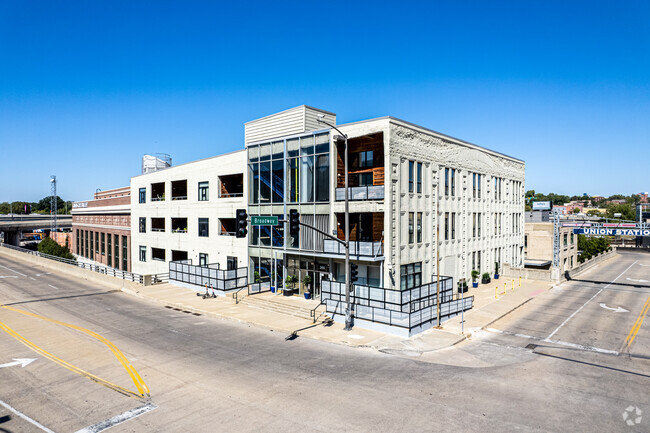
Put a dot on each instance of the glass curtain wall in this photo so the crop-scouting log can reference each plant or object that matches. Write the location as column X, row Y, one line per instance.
column 289, row 172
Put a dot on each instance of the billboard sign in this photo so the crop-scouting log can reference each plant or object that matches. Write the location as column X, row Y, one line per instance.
column 542, row 205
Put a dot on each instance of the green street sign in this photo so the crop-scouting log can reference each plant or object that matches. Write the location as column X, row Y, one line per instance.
column 261, row 220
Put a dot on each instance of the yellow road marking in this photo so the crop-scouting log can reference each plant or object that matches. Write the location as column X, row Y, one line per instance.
column 637, row 325
column 135, row 377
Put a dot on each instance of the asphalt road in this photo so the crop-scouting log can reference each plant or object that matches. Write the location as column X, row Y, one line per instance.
column 211, row 375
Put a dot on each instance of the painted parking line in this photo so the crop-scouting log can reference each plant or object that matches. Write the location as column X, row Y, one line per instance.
column 25, row 417
column 118, row 419
column 588, row 301
column 558, row 342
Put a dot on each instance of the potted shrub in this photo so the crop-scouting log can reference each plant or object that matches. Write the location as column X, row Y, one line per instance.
column 485, row 278
column 462, row 286
column 475, row 275
column 306, row 280
column 290, row 281
column 496, row 270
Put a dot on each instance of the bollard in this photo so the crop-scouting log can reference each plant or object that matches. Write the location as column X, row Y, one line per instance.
column 513, row 285
column 505, row 289
column 519, row 281
column 496, row 295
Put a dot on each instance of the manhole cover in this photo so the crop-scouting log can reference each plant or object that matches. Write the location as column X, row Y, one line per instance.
column 531, row 346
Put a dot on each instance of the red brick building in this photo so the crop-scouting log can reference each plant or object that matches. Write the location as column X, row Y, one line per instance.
column 101, row 228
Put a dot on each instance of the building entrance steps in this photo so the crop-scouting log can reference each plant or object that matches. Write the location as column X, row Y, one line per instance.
column 291, row 305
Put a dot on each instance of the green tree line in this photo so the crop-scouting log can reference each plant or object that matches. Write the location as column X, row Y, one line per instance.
column 591, row 246
column 40, row 207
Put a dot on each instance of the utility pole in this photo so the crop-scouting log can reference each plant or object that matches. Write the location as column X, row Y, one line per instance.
column 53, row 221
column 348, row 285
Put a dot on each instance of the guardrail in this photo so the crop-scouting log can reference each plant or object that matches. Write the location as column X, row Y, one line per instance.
column 372, row 249
column 125, row 275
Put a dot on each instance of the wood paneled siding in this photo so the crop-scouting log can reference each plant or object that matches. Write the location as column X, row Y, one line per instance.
column 374, row 142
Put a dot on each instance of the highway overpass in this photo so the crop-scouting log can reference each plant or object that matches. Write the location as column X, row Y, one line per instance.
column 14, row 225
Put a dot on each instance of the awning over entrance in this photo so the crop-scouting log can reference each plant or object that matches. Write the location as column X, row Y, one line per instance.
column 536, row 263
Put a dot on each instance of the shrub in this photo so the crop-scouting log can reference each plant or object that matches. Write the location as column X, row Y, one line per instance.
column 51, row 247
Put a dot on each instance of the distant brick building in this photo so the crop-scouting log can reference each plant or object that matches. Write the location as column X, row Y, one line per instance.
column 101, row 228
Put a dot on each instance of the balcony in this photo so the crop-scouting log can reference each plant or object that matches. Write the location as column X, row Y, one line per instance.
column 357, row 248
column 374, row 192
column 365, row 168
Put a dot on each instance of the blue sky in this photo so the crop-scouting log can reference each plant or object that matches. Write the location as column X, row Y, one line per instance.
column 87, row 88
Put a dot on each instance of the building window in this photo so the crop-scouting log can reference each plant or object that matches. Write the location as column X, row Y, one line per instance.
column 125, row 248
column 158, row 254
column 231, row 263
column 103, row 249
column 97, row 243
column 203, row 191
column 109, row 250
column 142, row 224
column 474, row 225
column 179, row 189
column 419, row 177
column 142, row 195
column 446, row 226
column 525, row 241
column 446, row 181
column 116, row 259
column 158, row 191
column 565, row 239
column 365, row 159
column 411, row 227
column 453, row 225
column 143, row 253
column 92, row 245
column 157, row 224
column 572, row 243
column 77, row 246
column 203, row 259
column 473, row 185
column 411, row 163
column 179, row 225
column 419, row 227
column 204, row 227
column 453, row 182
column 478, row 185
column 478, row 224
column 410, row 276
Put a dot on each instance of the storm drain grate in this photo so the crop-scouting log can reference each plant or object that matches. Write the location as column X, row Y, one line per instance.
column 195, row 314
column 531, row 346
column 167, row 306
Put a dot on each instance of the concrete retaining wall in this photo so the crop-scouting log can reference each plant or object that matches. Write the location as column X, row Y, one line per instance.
column 70, row 270
column 546, row 274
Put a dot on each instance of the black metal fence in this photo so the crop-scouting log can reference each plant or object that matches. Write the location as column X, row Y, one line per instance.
column 403, row 308
column 125, row 275
column 219, row 279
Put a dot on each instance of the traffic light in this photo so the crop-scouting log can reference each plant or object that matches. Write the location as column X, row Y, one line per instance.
column 241, row 224
column 294, row 223
column 354, row 272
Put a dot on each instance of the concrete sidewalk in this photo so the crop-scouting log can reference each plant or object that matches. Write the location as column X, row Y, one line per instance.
column 486, row 310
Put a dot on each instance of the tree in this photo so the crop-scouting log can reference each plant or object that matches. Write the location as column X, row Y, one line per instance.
column 576, row 210
column 590, row 246
column 593, row 212
column 43, row 205
column 51, row 247
column 627, row 211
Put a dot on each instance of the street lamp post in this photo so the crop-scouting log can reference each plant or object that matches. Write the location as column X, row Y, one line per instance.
column 348, row 311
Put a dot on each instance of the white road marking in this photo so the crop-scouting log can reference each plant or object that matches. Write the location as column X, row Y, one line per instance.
column 56, row 288
column 25, row 417
column 616, row 310
column 19, row 361
column 118, row 419
column 8, row 276
column 13, row 271
column 588, row 301
column 558, row 342
column 638, row 281
column 32, row 278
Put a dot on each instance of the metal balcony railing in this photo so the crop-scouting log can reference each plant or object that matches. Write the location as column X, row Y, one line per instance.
column 370, row 249
column 373, row 192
